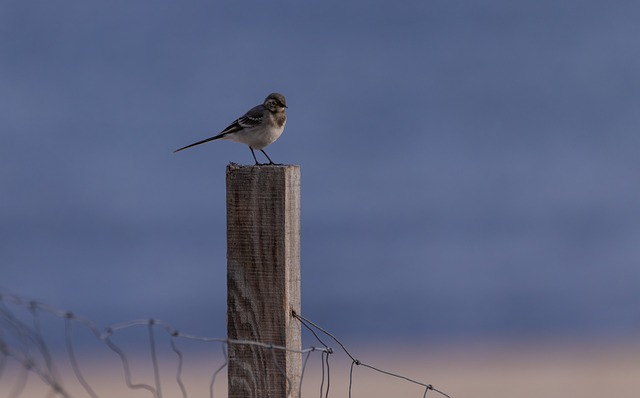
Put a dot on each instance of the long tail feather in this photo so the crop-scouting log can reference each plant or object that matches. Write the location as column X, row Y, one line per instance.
column 201, row 142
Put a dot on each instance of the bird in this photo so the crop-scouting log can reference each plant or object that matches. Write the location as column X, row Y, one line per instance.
column 257, row 128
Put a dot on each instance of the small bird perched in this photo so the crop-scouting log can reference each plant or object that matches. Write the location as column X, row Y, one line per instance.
column 258, row 128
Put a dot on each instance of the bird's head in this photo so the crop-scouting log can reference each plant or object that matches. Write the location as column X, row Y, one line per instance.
column 275, row 102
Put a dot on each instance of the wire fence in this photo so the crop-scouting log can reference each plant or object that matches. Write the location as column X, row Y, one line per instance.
column 24, row 351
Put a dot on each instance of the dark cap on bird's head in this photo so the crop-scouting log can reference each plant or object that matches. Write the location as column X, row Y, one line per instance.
column 278, row 98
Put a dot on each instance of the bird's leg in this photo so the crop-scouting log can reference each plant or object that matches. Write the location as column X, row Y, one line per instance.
column 270, row 161
column 254, row 157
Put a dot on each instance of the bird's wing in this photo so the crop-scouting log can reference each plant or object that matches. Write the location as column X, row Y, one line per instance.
column 250, row 119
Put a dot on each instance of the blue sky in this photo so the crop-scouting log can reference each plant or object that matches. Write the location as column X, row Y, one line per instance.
column 468, row 169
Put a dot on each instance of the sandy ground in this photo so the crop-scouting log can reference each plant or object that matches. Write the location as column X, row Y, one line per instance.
column 491, row 370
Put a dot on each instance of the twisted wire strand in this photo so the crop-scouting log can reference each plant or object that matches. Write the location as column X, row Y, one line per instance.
column 74, row 361
column 21, row 380
column 304, row 366
column 154, row 359
column 326, row 363
column 175, row 349
column 28, row 364
column 355, row 361
column 24, row 355
column 215, row 374
column 125, row 366
column 42, row 346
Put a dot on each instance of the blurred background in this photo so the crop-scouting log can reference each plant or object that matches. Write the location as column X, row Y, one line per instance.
column 470, row 170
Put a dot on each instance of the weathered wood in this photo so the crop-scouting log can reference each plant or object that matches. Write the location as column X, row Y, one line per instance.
column 263, row 279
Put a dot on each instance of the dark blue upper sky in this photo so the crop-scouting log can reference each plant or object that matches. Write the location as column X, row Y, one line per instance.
column 468, row 168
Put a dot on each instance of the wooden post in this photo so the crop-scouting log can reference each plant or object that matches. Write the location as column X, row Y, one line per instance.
column 263, row 280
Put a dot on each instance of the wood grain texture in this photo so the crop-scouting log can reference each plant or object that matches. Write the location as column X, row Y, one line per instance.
column 263, row 279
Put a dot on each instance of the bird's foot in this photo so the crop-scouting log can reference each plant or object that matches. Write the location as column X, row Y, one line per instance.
column 268, row 164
